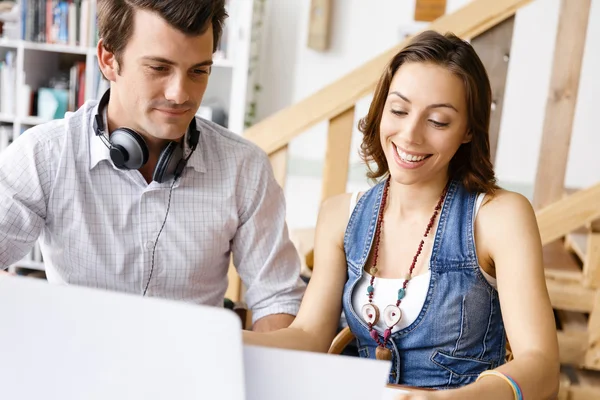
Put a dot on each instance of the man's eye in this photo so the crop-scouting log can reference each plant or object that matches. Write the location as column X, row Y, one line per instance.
column 158, row 68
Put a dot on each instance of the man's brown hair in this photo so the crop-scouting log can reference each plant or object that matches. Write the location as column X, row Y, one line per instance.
column 192, row 17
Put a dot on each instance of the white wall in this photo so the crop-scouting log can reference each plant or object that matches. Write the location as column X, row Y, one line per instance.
column 527, row 90
column 360, row 30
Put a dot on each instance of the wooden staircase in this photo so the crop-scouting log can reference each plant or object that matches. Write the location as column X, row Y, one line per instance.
column 568, row 224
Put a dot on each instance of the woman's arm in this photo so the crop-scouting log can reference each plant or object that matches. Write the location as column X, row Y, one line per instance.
column 316, row 323
column 507, row 231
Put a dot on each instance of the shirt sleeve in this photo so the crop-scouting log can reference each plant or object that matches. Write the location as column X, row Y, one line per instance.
column 263, row 253
column 23, row 176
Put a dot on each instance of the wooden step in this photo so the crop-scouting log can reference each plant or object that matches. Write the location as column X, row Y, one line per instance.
column 572, row 330
column 594, row 226
column 577, row 242
column 577, row 384
column 586, row 245
column 564, row 279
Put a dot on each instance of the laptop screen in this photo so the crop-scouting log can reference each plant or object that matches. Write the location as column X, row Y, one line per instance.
column 68, row 342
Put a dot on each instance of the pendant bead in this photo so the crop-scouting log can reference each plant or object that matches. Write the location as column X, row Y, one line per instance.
column 370, row 313
column 401, row 293
column 387, row 334
column 392, row 315
column 383, row 353
column 374, row 335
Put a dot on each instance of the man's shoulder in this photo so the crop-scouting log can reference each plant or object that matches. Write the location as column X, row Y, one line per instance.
column 219, row 139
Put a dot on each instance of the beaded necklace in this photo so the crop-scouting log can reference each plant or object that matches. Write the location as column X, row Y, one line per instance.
column 392, row 313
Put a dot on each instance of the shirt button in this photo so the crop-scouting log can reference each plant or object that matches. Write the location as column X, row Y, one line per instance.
column 149, row 245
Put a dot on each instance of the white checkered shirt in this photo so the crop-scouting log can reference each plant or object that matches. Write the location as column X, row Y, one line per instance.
column 97, row 224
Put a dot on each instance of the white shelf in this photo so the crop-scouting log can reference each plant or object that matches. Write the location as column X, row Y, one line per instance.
column 9, row 43
column 51, row 47
column 7, row 118
column 67, row 49
column 56, row 48
column 29, row 120
column 32, row 120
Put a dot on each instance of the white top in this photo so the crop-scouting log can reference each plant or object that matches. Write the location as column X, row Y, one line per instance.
column 98, row 224
column 386, row 290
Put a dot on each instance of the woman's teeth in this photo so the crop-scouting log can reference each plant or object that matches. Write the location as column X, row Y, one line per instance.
column 408, row 157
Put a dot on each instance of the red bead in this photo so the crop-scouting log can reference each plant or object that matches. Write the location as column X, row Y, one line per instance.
column 374, row 334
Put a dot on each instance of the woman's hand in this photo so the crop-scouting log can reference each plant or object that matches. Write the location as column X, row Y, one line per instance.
column 414, row 396
column 423, row 395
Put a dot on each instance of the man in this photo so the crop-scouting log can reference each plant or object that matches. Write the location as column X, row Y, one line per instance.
column 136, row 194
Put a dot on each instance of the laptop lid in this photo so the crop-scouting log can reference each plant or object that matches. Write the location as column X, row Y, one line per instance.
column 274, row 374
column 70, row 342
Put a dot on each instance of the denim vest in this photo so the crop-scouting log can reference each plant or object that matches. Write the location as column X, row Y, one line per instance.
column 459, row 332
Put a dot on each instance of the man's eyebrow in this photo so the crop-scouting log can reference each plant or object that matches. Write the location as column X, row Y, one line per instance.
column 206, row 63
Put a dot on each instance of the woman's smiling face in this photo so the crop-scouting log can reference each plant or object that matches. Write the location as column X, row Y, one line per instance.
column 424, row 122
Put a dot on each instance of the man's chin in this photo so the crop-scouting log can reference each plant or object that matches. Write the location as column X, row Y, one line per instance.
column 166, row 131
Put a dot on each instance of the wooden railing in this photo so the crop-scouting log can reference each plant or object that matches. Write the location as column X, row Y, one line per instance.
column 578, row 209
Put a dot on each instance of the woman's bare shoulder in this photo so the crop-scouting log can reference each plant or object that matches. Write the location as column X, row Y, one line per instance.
column 333, row 216
column 505, row 201
column 506, row 211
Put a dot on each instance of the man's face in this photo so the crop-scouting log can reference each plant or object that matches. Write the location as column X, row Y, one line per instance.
column 159, row 83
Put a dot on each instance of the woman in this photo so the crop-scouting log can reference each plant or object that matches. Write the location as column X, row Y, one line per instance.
column 435, row 266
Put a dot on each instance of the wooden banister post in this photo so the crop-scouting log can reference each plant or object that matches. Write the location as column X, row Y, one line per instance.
column 279, row 162
column 562, row 101
column 337, row 156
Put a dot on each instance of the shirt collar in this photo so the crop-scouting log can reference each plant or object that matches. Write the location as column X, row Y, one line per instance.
column 99, row 152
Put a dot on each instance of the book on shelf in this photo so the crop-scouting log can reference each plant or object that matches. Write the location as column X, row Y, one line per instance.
column 67, row 22
column 8, row 77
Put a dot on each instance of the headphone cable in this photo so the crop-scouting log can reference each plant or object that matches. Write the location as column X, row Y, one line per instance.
column 157, row 236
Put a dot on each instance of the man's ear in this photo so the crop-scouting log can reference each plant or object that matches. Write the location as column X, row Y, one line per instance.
column 107, row 62
column 468, row 136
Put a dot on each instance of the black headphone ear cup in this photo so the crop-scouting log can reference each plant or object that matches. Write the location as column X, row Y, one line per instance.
column 168, row 161
column 118, row 155
column 128, row 149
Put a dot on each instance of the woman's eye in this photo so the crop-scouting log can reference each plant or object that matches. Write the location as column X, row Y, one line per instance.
column 439, row 124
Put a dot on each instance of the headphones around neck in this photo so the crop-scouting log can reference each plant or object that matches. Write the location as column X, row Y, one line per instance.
column 128, row 149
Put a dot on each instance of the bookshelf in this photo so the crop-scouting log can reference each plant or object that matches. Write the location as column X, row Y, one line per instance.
column 48, row 54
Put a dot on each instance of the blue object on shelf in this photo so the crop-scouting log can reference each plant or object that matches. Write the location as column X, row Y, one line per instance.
column 52, row 103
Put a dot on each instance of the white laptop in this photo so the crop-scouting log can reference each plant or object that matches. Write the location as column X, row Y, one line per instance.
column 68, row 343
column 275, row 374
